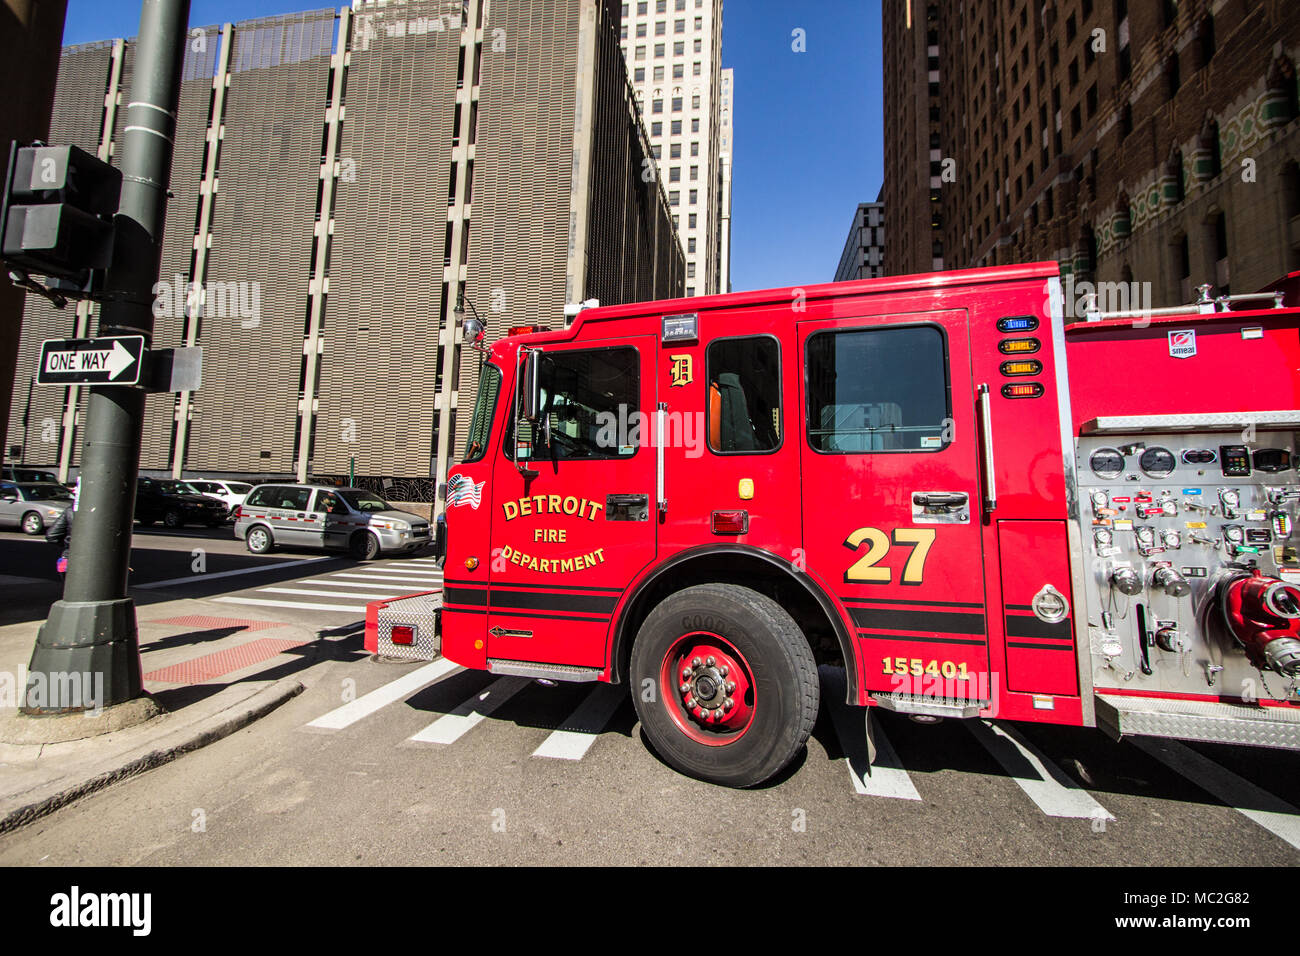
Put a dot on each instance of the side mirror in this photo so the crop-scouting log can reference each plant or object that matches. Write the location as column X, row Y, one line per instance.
column 531, row 400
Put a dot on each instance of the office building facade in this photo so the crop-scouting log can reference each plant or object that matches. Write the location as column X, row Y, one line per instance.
column 864, row 249
column 673, row 50
column 1150, row 143
column 347, row 186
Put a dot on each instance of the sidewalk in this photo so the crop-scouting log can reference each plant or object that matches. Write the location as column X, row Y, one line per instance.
column 209, row 670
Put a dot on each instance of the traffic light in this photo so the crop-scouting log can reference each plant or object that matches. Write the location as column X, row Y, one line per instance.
column 56, row 214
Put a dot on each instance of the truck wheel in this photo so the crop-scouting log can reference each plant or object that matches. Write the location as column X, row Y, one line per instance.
column 33, row 523
column 735, row 684
column 259, row 540
column 365, row 546
column 173, row 519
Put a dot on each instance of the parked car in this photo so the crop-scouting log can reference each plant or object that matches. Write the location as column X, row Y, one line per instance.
column 325, row 516
column 32, row 505
column 25, row 473
column 176, row 504
column 232, row 493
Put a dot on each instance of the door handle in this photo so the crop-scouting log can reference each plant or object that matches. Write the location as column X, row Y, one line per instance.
column 624, row 507
column 985, row 407
column 940, row 501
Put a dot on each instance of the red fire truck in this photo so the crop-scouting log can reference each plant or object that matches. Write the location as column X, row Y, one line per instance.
column 936, row 482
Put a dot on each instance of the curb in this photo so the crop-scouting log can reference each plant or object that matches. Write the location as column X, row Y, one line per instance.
column 214, row 728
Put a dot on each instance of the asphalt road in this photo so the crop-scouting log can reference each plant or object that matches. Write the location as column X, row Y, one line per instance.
column 416, row 764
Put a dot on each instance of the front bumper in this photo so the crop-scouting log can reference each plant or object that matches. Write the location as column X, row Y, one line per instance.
column 421, row 612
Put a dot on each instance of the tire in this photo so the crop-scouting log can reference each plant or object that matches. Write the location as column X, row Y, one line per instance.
column 365, row 546
column 32, row 523
column 174, row 519
column 258, row 540
column 770, row 678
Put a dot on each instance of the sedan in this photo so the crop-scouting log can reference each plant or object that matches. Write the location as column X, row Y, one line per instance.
column 32, row 505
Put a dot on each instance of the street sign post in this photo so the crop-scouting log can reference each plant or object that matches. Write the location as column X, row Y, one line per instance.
column 114, row 360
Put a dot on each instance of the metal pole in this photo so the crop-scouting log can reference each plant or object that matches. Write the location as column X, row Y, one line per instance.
column 93, row 629
column 27, row 415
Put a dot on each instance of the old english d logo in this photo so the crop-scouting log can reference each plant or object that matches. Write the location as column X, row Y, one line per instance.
column 682, row 370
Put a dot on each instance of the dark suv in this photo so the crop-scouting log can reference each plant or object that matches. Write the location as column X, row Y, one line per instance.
column 176, row 504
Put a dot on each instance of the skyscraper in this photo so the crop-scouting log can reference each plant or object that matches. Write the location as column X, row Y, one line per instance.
column 673, row 50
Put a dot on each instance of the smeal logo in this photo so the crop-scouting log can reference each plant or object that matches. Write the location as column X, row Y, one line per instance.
column 75, row 909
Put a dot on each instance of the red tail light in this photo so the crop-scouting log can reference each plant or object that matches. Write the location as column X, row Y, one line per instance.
column 730, row 522
column 239, row 510
column 403, row 634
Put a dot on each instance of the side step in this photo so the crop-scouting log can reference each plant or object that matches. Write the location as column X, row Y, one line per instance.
column 417, row 611
column 1209, row 721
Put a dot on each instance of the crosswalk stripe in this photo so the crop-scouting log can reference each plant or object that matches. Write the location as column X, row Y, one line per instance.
column 337, row 594
column 391, row 588
column 883, row 778
column 1051, row 790
column 394, row 690
column 453, row 725
column 1272, row 813
column 574, row 737
column 259, row 602
column 401, row 582
column 404, row 572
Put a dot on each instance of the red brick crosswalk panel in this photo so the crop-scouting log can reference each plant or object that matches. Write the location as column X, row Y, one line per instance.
column 206, row 623
column 214, row 665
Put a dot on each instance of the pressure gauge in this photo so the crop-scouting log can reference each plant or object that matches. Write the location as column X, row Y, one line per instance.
column 1157, row 462
column 1230, row 498
column 1146, row 537
column 1099, row 500
column 1233, row 534
column 1169, row 506
column 1106, row 463
column 1172, row 539
column 1103, row 537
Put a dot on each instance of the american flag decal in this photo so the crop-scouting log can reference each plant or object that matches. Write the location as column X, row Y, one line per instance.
column 462, row 491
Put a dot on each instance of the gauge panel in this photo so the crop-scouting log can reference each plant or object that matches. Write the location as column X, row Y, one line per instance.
column 1106, row 463
column 1157, row 462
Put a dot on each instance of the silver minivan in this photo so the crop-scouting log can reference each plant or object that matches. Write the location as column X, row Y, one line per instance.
column 323, row 516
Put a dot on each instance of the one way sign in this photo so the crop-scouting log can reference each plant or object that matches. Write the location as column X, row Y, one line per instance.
column 105, row 361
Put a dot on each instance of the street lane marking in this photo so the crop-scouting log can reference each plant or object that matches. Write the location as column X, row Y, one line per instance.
column 404, row 572
column 230, row 574
column 1051, row 790
column 453, row 725
column 348, row 608
column 574, row 737
column 1272, row 813
column 387, row 588
column 884, row 778
column 342, row 594
column 394, row 690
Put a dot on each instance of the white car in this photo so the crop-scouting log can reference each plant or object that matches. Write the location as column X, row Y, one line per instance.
column 232, row 493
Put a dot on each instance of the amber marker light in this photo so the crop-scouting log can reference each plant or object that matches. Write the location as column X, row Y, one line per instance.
column 471, row 563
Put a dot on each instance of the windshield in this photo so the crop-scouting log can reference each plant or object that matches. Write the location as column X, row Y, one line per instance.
column 177, row 488
column 364, row 500
column 46, row 492
column 484, row 407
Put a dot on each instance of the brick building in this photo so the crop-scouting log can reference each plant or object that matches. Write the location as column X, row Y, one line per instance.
column 1152, row 141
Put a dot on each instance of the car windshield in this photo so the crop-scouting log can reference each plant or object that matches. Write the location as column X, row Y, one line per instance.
column 45, row 491
column 364, row 500
column 177, row 488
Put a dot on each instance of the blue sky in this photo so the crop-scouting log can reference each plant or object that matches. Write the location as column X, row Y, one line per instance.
column 808, row 126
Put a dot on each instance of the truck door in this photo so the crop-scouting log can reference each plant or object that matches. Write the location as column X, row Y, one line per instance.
column 892, row 511
column 573, row 504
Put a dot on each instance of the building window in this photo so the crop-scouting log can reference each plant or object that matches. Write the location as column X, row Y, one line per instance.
column 695, row 196
column 661, row 28
column 677, row 104
column 690, row 290
column 677, row 127
column 659, row 50
column 691, row 220
column 679, row 71
column 656, row 129
column 695, row 102
column 639, row 75
column 697, row 69
column 695, row 126
column 675, row 197
column 679, row 48
column 656, row 106
column 676, row 151
column 675, row 174
column 640, row 53
column 695, row 149
column 695, row 173
column 659, row 74
column 690, row 245
column 679, row 26
column 699, row 45
column 661, row 6
column 699, row 23
column 640, row 29
column 690, row 270
column 641, row 8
